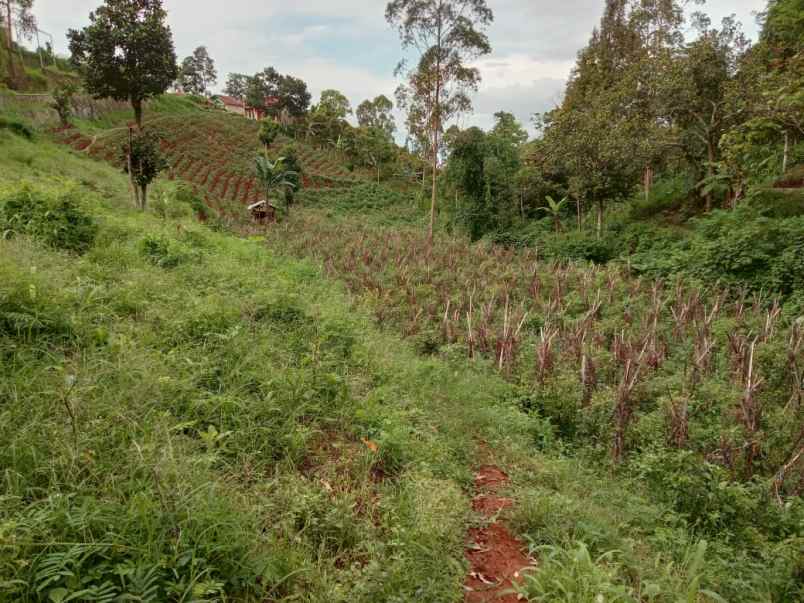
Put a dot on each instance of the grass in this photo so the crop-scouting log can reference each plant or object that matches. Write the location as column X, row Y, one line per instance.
column 189, row 415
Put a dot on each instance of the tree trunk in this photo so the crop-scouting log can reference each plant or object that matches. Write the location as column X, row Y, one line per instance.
column 134, row 193
column 137, row 105
column 786, row 154
column 578, row 205
column 710, row 171
column 10, row 42
column 433, row 197
column 521, row 204
column 144, row 197
column 599, row 218
column 648, row 181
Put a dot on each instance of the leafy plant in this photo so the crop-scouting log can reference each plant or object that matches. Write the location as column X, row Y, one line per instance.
column 273, row 176
column 52, row 215
column 63, row 102
column 554, row 210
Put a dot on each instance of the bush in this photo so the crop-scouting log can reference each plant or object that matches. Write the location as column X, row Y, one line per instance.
column 668, row 194
column 16, row 127
column 161, row 252
column 738, row 249
column 774, row 203
column 701, row 492
column 53, row 216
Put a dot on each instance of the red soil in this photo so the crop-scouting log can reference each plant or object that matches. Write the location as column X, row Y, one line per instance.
column 496, row 557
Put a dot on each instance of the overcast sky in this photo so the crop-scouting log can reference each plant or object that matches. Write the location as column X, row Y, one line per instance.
column 346, row 44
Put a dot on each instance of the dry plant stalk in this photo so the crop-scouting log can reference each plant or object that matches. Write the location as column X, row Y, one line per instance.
column 679, row 422
column 624, row 409
column 507, row 344
column 544, row 352
column 750, row 413
column 794, row 351
column 588, row 377
column 792, row 460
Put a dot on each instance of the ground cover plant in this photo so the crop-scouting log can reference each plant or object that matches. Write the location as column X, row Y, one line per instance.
column 694, row 391
column 189, row 416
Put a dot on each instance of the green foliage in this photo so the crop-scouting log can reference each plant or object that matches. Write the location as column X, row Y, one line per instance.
column 16, row 127
column 777, row 204
column 269, row 130
column 294, row 171
column 146, row 160
column 63, row 102
column 197, row 72
column 52, row 215
column 572, row 575
column 274, row 176
column 126, row 52
column 377, row 114
column 738, row 249
column 667, row 196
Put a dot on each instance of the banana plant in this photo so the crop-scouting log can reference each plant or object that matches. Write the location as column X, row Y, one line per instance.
column 554, row 210
column 273, row 176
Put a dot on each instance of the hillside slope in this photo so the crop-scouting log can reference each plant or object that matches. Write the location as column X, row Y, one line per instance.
column 212, row 150
column 188, row 415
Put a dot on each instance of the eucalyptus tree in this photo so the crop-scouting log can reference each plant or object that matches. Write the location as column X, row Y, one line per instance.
column 17, row 14
column 237, row 85
column 448, row 35
column 126, row 53
column 334, row 104
column 377, row 114
column 198, row 72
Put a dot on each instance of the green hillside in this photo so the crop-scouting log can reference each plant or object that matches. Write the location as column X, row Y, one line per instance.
column 486, row 366
column 32, row 73
column 189, row 415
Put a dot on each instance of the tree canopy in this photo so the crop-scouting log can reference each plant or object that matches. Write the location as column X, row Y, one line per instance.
column 126, row 53
column 197, row 72
column 448, row 35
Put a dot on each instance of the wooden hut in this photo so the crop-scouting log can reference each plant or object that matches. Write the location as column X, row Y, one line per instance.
column 263, row 212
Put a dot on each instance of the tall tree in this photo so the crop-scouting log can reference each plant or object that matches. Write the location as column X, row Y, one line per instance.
column 335, row 104
column 237, row 85
column 377, row 114
column 373, row 147
column 508, row 128
column 447, row 34
column 702, row 95
column 293, row 97
column 126, row 52
column 198, row 72
column 17, row 14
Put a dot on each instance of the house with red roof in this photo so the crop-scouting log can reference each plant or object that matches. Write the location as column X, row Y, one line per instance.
column 239, row 106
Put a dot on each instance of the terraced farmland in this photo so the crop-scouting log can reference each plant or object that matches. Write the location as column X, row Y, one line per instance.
column 214, row 152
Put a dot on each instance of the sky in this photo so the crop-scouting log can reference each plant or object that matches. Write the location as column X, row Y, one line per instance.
column 347, row 45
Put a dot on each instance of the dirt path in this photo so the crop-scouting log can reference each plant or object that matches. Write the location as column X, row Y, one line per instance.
column 496, row 557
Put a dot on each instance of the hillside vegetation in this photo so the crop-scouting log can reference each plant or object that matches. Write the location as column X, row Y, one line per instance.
column 189, row 415
column 481, row 368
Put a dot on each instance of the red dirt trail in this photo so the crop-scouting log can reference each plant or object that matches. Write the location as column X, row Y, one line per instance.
column 496, row 557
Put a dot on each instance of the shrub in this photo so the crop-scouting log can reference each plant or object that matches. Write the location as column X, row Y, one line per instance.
column 53, row 216
column 701, row 492
column 668, row 194
column 16, row 127
column 161, row 252
column 773, row 203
